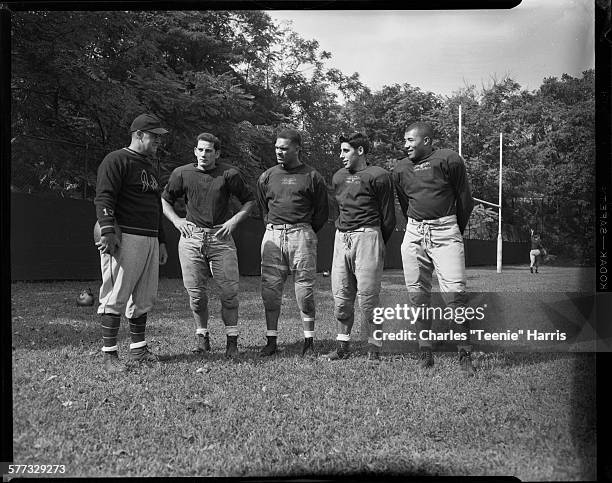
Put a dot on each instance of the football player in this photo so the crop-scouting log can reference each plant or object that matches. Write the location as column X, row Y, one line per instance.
column 293, row 200
column 434, row 194
column 536, row 253
column 365, row 223
column 206, row 247
column 131, row 239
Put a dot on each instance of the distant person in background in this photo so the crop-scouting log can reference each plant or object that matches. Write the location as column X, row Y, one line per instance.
column 365, row 223
column 434, row 193
column 206, row 247
column 131, row 239
column 293, row 201
column 536, row 253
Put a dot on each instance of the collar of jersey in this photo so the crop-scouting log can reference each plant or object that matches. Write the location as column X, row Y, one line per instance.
column 422, row 160
column 280, row 166
column 131, row 151
column 195, row 167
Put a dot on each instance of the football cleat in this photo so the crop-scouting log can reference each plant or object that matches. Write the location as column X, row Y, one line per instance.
column 465, row 362
column 231, row 351
column 308, row 347
column 111, row 362
column 270, row 348
column 373, row 354
column 341, row 352
column 143, row 354
column 426, row 359
column 203, row 346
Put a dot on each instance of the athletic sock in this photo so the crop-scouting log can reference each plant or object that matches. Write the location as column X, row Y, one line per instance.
column 137, row 328
column 110, row 329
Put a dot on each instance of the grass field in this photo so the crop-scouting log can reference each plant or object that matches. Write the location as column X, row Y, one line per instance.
column 526, row 414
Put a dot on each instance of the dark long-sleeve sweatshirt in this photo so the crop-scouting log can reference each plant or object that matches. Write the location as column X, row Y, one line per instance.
column 207, row 193
column 433, row 187
column 365, row 198
column 128, row 193
column 289, row 196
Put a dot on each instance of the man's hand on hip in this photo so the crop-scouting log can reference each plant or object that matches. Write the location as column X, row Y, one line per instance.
column 227, row 229
column 184, row 226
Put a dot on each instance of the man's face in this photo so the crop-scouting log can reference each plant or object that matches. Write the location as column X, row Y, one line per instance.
column 150, row 142
column 350, row 156
column 206, row 154
column 417, row 146
column 286, row 152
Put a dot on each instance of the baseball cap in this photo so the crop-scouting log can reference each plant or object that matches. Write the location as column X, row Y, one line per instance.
column 148, row 122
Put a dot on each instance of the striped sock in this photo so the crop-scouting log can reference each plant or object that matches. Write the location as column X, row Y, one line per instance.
column 343, row 337
column 271, row 333
column 110, row 329
column 231, row 330
column 308, row 322
column 137, row 328
column 202, row 331
column 308, row 334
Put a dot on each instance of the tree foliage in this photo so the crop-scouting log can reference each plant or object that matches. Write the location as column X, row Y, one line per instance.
column 79, row 78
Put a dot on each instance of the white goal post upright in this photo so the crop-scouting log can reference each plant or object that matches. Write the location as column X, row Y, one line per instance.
column 499, row 197
column 499, row 218
column 460, row 130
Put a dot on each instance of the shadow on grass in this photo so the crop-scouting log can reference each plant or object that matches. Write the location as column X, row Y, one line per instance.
column 488, row 360
column 178, row 358
column 251, row 353
column 55, row 333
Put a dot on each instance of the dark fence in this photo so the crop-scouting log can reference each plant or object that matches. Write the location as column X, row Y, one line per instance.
column 51, row 239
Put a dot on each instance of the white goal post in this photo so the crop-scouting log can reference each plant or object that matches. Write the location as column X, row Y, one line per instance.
column 499, row 196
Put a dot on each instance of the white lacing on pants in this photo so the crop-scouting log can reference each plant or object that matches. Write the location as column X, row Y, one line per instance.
column 425, row 230
column 346, row 238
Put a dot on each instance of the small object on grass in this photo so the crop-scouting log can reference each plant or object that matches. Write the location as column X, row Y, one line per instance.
column 85, row 298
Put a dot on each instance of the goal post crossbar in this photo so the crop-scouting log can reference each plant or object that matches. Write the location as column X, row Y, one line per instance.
column 485, row 202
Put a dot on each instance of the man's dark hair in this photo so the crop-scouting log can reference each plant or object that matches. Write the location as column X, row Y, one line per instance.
column 424, row 129
column 211, row 138
column 292, row 135
column 355, row 140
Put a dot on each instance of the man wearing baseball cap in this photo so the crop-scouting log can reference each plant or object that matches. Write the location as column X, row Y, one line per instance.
column 131, row 241
column 147, row 123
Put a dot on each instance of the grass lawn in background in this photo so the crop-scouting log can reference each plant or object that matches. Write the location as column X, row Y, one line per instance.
column 526, row 414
